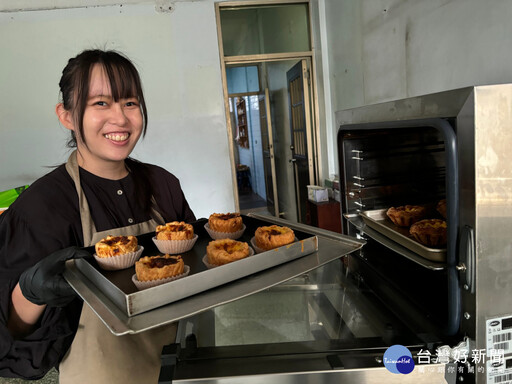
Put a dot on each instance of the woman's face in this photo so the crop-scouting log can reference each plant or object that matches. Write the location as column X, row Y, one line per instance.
column 111, row 128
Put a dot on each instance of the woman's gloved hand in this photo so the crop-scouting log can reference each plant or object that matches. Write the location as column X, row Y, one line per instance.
column 43, row 283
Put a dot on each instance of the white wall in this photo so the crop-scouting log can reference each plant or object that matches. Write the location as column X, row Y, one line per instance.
column 257, row 171
column 381, row 50
column 177, row 55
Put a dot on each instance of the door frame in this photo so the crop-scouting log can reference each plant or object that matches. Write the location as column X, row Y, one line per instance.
column 261, row 58
column 301, row 72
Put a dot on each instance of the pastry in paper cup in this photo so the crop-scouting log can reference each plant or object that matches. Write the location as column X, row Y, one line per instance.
column 261, row 250
column 173, row 247
column 256, row 248
column 216, row 235
column 118, row 262
column 210, row 266
column 153, row 283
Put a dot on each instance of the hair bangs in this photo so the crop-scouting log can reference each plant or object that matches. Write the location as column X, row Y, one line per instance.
column 124, row 83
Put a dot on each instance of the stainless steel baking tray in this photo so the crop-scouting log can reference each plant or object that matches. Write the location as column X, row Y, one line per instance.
column 118, row 286
column 106, row 295
column 378, row 220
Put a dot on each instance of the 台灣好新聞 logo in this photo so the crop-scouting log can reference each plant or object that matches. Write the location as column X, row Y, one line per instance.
column 398, row 359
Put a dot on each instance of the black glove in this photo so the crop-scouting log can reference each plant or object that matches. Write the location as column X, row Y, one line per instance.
column 44, row 284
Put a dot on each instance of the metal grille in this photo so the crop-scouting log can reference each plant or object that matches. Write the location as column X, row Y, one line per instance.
column 298, row 121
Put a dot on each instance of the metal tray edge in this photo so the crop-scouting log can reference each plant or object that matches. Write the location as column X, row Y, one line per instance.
column 432, row 254
column 145, row 300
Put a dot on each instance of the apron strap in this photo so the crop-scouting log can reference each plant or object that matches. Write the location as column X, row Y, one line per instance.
column 88, row 227
column 90, row 235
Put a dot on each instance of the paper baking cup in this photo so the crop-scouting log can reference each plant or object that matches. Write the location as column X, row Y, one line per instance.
column 123, row 261
column 215, row 235
column 259, row 250
column 256, row 248
column 210, row 266
column 153, row 283
column 173, row 247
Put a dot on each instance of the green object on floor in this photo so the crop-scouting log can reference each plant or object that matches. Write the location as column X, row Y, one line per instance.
column 7, row 197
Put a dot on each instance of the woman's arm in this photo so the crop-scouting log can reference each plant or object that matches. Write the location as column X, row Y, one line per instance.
column 23, row 314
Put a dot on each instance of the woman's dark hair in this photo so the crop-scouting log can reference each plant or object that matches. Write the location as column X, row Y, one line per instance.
column 74, row 84
column 124, row 83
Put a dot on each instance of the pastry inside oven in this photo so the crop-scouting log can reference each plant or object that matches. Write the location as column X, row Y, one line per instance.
column 441, row 207
column 430, row 232
column 158, row 267
column 176, row 230
column 406, row 215
column 225, row 222
column 115, row 246
column 273, row 236
column 220, row 252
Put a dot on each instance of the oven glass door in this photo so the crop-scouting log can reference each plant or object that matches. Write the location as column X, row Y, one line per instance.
column 323, row 320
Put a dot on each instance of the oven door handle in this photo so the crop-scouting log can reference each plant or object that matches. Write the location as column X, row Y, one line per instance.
column 467, row 257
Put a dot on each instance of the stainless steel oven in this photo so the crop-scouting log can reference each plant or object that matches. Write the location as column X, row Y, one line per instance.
column 452, row 307
column 452, row 145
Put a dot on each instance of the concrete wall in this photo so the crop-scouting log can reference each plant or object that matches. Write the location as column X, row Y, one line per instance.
column 177, row 55
column 380, row 50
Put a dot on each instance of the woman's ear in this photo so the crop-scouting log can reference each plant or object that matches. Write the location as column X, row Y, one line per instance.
column 64, row 116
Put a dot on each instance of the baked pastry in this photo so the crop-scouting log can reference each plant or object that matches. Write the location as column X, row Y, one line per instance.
column 441, row 207
column 158, row 267
column 176, row 230
column 406, row 215
column 273, row 236
column 115, row 246
column 225, row 222
column 220, row 252
column 430, row 232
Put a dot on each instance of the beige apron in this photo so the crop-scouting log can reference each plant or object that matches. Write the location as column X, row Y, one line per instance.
column 96, row 355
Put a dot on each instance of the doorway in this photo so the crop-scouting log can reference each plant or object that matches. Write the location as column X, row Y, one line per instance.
column 272, row 137
column 271, row 141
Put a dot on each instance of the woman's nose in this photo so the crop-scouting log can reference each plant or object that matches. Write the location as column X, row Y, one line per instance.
column 118, row 116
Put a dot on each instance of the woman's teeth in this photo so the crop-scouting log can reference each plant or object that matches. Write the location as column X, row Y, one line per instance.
column 117, row 136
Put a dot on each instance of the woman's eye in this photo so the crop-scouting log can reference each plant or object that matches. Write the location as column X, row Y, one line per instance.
column 131, row 104
column 101, row 103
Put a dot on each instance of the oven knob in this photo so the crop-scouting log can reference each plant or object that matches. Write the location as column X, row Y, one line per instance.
column 467, row 316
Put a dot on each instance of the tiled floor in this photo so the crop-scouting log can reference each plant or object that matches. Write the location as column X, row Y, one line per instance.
column 251, row 200
column 51, row 378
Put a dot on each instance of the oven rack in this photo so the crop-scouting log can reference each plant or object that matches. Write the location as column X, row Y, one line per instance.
column 358, row 222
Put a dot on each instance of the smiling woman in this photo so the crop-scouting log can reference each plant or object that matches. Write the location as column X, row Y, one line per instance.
column 100, row 191
column 107, row 119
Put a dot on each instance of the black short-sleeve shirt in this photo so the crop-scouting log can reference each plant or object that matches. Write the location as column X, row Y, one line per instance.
column 46, row 218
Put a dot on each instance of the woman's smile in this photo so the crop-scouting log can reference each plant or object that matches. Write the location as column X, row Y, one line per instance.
column 117, row 137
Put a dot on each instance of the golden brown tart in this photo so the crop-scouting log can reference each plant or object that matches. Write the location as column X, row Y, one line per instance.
column 176, row 230
column 220, row 252
column 116, row 245
column 273, row 236
column 225, row 222
column 430, row 232
column 158, row 267
column 441, row 207
column 406, row 215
